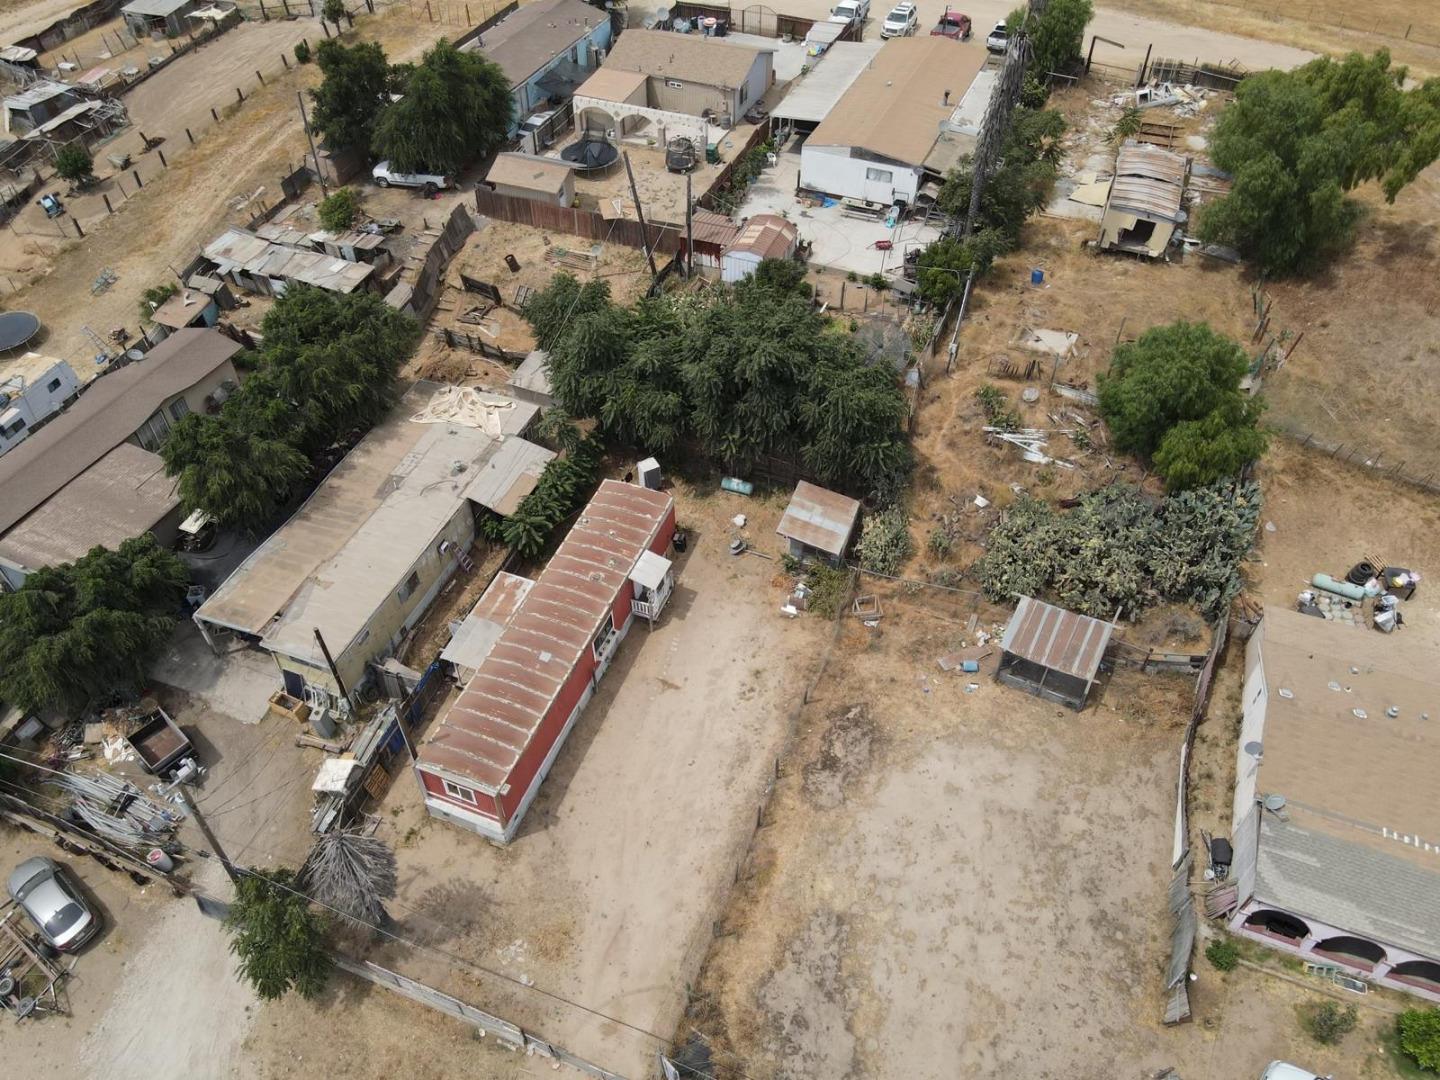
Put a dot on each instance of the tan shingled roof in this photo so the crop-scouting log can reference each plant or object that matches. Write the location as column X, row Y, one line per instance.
column 517, row 170
column 894, row 108
column 665, row 55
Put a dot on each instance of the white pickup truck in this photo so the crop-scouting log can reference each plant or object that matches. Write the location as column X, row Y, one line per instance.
column 848, row 11
column 427, row 182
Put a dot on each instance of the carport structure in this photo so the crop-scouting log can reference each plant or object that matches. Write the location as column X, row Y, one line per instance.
column 1052, row 653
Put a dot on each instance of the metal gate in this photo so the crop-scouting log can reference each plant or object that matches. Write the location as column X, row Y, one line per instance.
column 758, row 19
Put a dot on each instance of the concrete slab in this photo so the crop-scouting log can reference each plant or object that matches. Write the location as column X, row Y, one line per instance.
column 840, row 242
column 238, row 684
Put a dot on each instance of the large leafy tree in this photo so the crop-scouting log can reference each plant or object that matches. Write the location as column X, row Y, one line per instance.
column 1173, row 395
column 76, row 633
column 456, row 108
column 1297, row 141
column 1057, row 35
column 325, row 375
column 277, row 939
column 357, row 85
column 750, row 371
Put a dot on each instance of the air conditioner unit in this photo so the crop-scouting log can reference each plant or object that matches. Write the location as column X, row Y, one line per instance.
column 675, row 84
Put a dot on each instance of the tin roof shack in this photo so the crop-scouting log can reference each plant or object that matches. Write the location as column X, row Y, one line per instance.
column 261, row 265
column 764, row 236
column 360, row 561
column 37, row 105
column 187, row 308
column 91, row 476
column 874, row 142
column 1336, row 830
column 545, row 49
column 159, row 18
column 1052, row 653
column 819, row 523
column 540, row 179
column 1143, row 211
column 485, row 758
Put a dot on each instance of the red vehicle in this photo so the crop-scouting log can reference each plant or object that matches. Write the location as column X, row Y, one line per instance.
column 953, row 24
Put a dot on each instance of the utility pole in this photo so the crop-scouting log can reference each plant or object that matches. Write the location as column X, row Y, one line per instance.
column 689, row 231
column 184, row 793
column 639, row 213
column 334, row 671
column 319, row 172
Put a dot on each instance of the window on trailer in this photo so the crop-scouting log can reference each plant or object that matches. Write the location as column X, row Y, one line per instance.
column 455, row 791
column 601, row 644
column 408, row 588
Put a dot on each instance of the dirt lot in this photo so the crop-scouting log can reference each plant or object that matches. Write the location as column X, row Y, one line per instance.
column 608, row 894
column 182, row 207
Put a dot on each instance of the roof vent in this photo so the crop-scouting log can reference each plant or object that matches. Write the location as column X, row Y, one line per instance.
column 1360, row 714
column 1286, row 694
column 546, row 657
column 1393, row 711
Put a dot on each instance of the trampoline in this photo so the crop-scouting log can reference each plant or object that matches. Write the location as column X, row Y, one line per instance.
column 592, row 154
column 17, row 328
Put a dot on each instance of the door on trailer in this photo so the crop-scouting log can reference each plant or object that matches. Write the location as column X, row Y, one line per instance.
column 879, row 185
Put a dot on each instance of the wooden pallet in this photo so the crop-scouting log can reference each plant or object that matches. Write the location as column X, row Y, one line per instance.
column 1166, row 136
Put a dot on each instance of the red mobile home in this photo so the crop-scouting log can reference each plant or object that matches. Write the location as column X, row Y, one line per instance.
column 487, row 755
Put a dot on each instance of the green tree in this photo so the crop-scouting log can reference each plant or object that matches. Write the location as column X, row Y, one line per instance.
column 153, row 297
column 357, row 85
column 76, row 633
column 75, row 164
column 277, row 940
column 333, row 11
column 1057, row 37
column 1198, row 452
column 339, row 209
column 1174, row 396
column 456, row 107
column 1420, row 1036
column 325, row 375
column 1297, row 141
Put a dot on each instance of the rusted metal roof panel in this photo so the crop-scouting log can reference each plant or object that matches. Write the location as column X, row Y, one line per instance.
column 1148, row 180
column 484, row 733
column 819, row 518
column 1057, row 639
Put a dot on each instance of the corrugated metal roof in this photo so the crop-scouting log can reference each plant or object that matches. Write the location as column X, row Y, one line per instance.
column 1054, row 638
column 809, row 99
column 819, row 518
column 484, row 733
column 533, row 374
column 767, row 235
column 1148, row 180
column 712, row 228
column 252, row 254
column 155, row 8
column 476, row 636
column 507, row 474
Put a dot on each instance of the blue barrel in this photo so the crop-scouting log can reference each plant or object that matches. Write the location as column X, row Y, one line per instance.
column 1037, row 276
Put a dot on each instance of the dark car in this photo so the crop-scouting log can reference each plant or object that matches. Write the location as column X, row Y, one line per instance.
column 47, row 895
column 680, row 155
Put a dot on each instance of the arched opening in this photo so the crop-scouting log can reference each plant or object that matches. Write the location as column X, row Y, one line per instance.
column 1277, row 924
column 1354, row 951
column 1423, row 974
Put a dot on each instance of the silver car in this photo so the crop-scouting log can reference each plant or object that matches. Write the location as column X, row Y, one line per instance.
column 47, row 895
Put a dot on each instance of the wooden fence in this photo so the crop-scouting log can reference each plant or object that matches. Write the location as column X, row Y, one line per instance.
column 1196, row 73
column 662, row 237
column 723, row 182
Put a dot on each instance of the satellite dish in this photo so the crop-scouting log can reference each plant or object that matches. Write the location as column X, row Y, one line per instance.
column 1254, row 748
column 648, row 23
column 1274, row 803
column 662, row 12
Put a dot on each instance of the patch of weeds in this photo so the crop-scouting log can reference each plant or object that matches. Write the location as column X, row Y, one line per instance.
column 1222, row 954
column 1329, row 1022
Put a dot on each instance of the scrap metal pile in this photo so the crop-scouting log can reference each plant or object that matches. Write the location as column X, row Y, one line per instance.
column 118, row 811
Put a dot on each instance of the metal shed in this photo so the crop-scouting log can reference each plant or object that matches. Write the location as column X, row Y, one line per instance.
column 1052, row 653
column 818, row 522
column 1144, row 211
